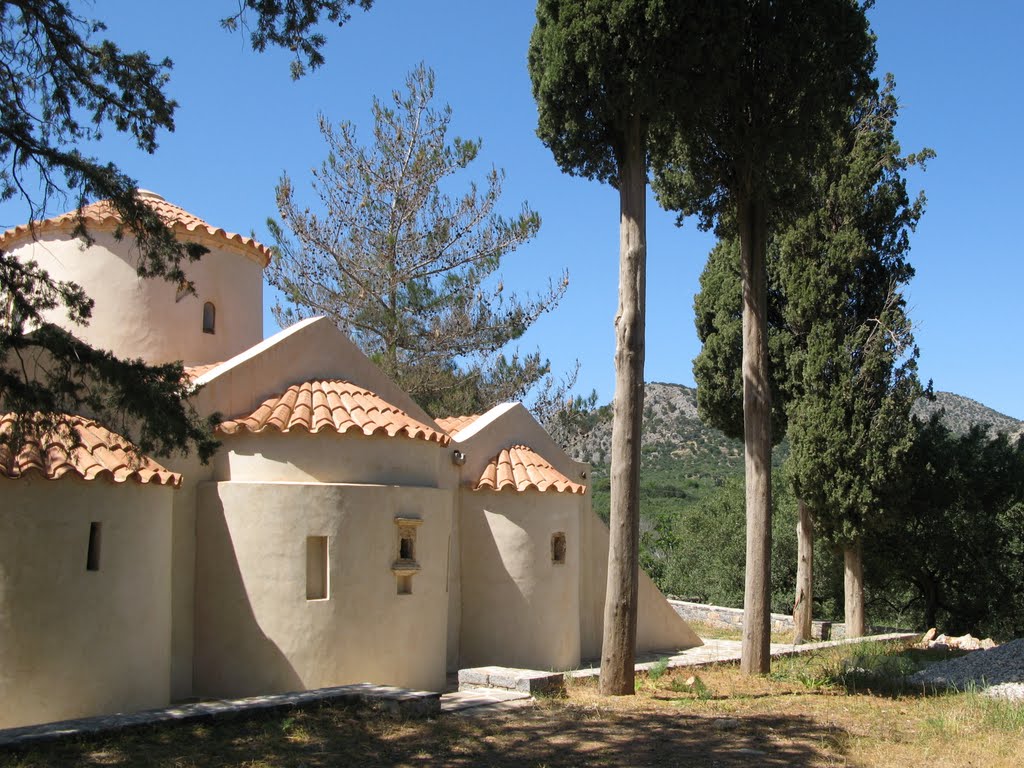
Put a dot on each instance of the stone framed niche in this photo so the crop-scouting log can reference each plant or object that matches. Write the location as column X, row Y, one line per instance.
column 405, row 565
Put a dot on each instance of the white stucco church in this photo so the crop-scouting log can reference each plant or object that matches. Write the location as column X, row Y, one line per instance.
column 339, row 535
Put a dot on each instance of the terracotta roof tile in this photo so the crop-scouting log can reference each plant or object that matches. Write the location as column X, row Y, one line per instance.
column 521, row 468
column 453, row 424
column 336, row 405
column 101, row 454
column 102, row 214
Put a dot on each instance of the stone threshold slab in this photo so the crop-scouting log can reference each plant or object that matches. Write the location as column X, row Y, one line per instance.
column 398, row 701
column 528, row 681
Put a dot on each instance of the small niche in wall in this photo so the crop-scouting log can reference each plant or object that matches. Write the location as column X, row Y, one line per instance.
column 316, row 568
column 405, row 565
column 405, row 584
column 407, row 547
column 92, row 556
column 558, row 548
column 209, row 318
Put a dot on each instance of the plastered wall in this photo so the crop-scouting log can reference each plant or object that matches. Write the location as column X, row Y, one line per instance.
column 329, row 457
column 256, row 631
column 75, row 642
column 519, row 608
column 135, row 317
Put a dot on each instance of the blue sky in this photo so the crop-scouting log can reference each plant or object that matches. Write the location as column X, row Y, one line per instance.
column 242, row 122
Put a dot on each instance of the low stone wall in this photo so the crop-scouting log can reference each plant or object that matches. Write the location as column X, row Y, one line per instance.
column 732, row 618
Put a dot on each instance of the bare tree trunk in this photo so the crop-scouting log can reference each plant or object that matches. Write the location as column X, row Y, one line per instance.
column 853, row 585
column 755, row 655
column 802, row 606
column 618, row 649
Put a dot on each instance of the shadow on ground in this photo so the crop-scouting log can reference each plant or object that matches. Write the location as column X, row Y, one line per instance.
column 550, row 735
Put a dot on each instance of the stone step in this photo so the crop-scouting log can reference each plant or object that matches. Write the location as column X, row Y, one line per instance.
column 528, row 681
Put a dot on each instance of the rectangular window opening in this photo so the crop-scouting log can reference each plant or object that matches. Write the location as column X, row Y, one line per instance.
column 92, row 557
column 405, row 585
column 316, row 568
column 558, row 548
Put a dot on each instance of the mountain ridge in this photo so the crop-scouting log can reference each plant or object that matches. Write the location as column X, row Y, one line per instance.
column 673, row 433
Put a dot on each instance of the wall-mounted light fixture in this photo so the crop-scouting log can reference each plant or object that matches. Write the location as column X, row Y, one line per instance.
column 458, row 458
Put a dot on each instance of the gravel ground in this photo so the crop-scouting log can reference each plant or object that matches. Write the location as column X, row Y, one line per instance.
column 998, row 671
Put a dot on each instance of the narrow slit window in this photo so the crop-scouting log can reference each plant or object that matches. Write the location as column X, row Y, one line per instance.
column 558, row 548
column 209, row 317
column 316, row 568
column 92, row 557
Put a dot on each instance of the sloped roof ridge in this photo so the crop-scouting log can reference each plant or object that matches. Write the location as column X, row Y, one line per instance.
column 102, row 213
column 520, row 468
column 332, row 405
column 196, row 371
column 454, row 424
column 100, row 454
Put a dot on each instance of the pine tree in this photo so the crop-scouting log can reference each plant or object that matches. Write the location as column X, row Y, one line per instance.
column 406, row 269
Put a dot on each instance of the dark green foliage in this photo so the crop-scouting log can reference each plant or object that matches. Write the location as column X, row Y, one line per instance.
column 60, row 87
column 843, row 360
column 954, row 557
column 406, row 270
column 852, row 366
column 598, row 65
column 783, row 72
column 698, row 552
column 718, row 314
column 290, row 24
column 599, row 70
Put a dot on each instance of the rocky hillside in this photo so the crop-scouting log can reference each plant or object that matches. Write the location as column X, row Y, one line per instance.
column 674, row 435
column 961, row 413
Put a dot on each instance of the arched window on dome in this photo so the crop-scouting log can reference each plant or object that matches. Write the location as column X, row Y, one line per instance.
column 209, row 317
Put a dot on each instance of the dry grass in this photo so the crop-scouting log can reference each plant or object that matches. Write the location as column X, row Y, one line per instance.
column 830, row 709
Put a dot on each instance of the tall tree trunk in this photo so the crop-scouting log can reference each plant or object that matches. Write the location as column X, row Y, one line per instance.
column 755, row 655
column 620, row 608
column 802, row 606
column 853, row 587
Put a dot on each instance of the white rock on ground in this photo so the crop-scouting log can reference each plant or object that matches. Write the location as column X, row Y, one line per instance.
column 997, row 672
